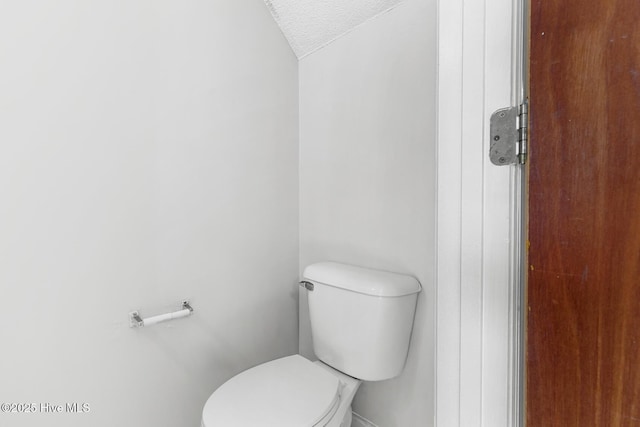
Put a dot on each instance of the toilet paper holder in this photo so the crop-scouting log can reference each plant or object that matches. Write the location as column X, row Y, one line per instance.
column 137, row 321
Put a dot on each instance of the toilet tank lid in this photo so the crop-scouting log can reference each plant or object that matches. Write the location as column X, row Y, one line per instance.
column 362, row 280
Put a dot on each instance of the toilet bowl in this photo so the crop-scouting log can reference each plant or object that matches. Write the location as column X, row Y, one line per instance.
column 287, row 392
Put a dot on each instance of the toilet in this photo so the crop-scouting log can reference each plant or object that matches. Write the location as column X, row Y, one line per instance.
column 361, row 321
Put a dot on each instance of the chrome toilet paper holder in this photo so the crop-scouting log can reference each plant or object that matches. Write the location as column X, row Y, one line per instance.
column 137, row 321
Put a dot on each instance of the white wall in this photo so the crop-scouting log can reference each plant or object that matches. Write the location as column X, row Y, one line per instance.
column 148, row 153
column 367, row 179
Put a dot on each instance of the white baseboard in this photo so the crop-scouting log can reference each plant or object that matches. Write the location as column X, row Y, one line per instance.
column 360, row 421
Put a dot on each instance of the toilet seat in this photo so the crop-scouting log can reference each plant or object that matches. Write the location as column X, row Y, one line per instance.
column 287, row 392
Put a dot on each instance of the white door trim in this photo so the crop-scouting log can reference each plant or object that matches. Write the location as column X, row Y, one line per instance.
column 478, row 217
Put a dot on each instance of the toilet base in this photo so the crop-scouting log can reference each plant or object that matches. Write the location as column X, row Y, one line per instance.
column 343, row 415
column 348, row 418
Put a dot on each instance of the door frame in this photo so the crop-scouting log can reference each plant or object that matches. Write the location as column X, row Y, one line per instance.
column 479, row 229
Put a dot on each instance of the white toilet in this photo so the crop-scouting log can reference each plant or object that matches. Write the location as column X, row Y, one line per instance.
column 361, row 323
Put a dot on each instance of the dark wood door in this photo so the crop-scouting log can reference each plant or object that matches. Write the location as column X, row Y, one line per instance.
column 583, row 330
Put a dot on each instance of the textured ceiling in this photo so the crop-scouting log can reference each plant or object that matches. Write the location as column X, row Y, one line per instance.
column 311, row 24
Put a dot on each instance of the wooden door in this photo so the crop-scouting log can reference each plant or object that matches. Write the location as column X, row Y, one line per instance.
column 583, row 332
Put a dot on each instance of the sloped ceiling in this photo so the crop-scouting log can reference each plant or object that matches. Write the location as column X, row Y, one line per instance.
column 311, row 24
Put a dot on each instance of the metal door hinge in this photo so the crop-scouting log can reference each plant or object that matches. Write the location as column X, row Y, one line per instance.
column 509, row 135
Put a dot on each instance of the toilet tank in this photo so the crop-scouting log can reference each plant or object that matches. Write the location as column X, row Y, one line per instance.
column 361, row 319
